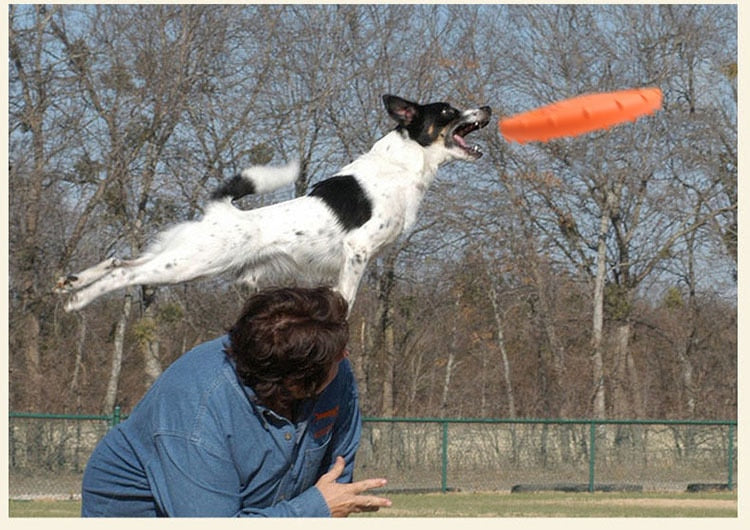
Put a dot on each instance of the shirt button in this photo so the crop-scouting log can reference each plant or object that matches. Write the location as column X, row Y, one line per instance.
column 287, row 436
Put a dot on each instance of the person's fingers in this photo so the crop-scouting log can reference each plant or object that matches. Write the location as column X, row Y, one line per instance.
column 372, row 503
column 368, row 484
column 344, row 499
column 336, row 470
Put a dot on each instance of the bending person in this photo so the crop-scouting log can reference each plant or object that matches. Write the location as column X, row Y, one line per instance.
column 263, row 421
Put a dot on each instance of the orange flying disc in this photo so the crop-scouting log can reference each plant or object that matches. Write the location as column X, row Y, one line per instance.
column 579, row 115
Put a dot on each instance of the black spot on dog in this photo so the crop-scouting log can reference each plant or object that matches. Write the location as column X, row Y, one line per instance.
column 346, row 199
column 235, row 187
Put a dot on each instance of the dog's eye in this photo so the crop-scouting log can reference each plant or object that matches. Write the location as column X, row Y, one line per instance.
column 448, row 113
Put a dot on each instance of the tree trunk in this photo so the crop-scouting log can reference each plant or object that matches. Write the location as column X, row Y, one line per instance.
column 388, row 374
column 688, row 383
column 32, row 355
column 557, row 387
column 684, row 354
column 37, row 97
column 416, row 367
column 385, row 340
column 635, row 383
column 447, row 381
column 626, row 392
column 110, row 398
column 152, row 365
column 150, row 344
column 450, row 365
column 360, row 363
column 75, row 380
column 503, row 352
column 597, row 356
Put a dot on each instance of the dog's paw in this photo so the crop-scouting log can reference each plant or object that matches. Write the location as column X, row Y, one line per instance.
column 66, row 284
column 72, row 304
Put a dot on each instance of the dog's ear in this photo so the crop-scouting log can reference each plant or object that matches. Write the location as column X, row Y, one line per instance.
column 399, row 109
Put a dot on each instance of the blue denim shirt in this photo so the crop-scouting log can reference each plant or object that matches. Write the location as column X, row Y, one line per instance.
column 199, row 445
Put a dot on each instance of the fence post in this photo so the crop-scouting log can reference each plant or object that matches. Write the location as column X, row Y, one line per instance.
column 592, row 454
column 116, row 416
column 730, row 458
column 444, row 468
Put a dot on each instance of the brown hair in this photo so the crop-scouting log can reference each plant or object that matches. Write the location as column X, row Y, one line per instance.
column 288, row 337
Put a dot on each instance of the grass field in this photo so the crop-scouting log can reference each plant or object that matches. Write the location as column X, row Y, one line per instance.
column 709, row 504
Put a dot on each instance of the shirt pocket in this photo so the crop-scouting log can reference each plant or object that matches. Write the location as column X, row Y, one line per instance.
column 314, row 455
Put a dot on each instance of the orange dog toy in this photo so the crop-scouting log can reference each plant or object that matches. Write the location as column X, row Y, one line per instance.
column 580, row 115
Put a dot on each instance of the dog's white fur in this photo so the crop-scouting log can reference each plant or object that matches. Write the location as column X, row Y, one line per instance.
column 297, row 242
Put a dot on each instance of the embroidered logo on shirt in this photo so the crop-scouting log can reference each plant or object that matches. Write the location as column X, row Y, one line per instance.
column 327, row 414
column 322, row 432
column 319, row 416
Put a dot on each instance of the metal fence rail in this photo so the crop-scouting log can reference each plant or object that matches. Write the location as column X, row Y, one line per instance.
column 48, row 452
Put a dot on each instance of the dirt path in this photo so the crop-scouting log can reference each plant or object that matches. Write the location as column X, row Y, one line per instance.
column 667, row 503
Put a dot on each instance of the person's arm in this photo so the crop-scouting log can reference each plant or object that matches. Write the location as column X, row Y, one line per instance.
column 347, row 431
column 190, row 480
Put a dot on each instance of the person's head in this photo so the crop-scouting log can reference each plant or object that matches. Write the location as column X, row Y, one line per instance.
column 287, row 343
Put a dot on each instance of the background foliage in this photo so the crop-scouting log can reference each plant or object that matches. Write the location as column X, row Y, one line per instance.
column 593, row 276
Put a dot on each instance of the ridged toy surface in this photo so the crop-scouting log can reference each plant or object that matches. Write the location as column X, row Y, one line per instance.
column 581, row 114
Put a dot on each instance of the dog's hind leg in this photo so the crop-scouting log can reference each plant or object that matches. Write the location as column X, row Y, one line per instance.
column 125, row 274
column 71, row 282
column 159, row 269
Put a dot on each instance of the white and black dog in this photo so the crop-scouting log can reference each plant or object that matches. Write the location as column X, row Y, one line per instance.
column 324, row 238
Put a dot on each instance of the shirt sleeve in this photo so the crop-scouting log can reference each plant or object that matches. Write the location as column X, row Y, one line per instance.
column 190, row 480
column 310, row 503
column 347, row 430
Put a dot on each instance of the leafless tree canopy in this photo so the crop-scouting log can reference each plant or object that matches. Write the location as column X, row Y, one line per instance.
column 590, row 276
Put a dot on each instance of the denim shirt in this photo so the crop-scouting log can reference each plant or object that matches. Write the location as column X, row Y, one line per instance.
column 198, row 444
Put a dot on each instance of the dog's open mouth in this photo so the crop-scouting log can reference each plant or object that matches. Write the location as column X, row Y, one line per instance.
column 458, row 136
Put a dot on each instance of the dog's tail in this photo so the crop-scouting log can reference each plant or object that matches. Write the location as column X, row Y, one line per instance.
column 257, row 180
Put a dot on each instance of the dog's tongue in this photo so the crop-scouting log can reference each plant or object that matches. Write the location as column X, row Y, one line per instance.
column 473, row 150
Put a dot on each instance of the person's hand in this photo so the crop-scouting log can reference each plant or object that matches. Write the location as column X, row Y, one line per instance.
column 344, row 499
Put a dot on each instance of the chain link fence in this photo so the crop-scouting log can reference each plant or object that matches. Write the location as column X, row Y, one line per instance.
column 48, row 453
column 569, row 455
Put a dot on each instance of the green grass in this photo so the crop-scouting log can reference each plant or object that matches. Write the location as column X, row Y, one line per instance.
column 547, row 504
column 44, row 509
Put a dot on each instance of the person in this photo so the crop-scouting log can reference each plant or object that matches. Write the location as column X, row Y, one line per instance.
column 263, row 421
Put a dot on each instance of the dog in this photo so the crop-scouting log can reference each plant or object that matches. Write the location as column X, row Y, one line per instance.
column 325, row 238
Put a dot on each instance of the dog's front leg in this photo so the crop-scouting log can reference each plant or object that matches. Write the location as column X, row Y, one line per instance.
column 356, row 256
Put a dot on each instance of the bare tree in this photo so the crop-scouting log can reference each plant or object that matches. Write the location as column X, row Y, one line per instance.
column 587, row 269
column 611, row 196
column 40, row 116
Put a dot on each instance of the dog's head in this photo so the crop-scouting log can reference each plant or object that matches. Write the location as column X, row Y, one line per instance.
column 439, row 124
